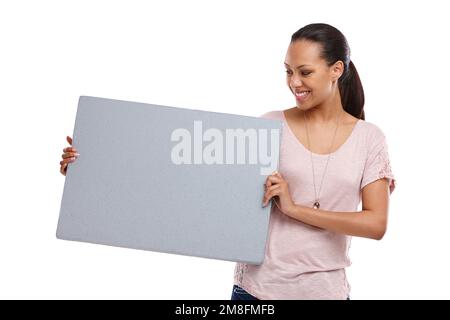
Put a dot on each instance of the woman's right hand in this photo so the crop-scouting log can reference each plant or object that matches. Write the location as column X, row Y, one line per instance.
column 70, row 155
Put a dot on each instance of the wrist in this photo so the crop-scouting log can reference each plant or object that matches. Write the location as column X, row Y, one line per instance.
column 290, row 211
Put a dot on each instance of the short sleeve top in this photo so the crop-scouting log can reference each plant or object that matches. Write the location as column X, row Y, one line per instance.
column 302, row 261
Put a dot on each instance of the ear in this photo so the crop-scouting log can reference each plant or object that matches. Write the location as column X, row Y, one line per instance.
column 337, row 69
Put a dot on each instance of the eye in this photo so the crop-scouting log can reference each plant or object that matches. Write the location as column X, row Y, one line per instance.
column 303, row 73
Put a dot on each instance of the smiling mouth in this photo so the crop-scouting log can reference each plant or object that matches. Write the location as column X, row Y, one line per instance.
column 302, row 95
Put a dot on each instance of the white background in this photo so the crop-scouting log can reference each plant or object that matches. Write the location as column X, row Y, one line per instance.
column 224, row 56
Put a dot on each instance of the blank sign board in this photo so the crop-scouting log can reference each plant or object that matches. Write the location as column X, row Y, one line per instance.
column 169, row 179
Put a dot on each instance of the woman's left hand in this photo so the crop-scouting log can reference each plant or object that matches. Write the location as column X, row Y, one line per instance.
column 276, row 186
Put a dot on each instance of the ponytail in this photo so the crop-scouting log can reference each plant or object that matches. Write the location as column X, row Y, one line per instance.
column 352, row 92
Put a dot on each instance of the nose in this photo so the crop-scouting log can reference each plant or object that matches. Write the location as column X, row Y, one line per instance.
column 295, row 81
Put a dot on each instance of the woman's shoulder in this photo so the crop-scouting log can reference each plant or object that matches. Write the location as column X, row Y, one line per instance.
column 372, row 131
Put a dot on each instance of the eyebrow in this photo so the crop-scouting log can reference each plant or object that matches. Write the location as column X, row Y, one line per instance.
column 298, row 66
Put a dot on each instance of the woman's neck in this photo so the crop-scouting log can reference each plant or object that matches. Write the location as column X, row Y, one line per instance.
column 322, row 116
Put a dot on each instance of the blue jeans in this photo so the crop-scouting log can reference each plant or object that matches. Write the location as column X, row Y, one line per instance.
column 240, row 294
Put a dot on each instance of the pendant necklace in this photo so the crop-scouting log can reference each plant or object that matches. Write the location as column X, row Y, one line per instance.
column 316, row 204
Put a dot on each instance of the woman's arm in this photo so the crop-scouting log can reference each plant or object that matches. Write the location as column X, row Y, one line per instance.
column 371, row 222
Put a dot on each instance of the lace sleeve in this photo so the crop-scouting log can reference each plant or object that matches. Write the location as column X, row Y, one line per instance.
column 378, row 166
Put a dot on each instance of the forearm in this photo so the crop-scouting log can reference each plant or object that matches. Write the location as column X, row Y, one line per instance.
column 363, row 223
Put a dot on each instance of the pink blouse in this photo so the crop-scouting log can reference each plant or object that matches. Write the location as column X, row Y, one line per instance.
column 302, row 261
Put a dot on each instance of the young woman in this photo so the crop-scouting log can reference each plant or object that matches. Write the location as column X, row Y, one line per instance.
column 330, row 160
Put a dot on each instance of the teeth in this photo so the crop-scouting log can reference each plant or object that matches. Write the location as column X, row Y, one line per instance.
column 301, row 94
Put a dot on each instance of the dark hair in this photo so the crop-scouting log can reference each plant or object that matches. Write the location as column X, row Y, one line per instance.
column 335, row 47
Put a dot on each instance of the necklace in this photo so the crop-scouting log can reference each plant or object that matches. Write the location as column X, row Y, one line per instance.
column 316, row 204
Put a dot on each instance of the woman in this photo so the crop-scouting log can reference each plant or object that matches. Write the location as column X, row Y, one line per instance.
column 330, row 160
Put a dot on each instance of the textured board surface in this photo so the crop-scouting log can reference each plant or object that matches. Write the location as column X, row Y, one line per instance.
column 126, row 190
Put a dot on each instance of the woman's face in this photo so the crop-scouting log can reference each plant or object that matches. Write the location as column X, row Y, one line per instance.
column 308, row 77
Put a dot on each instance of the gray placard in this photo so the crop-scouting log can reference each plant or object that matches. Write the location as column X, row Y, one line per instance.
column 128, row 188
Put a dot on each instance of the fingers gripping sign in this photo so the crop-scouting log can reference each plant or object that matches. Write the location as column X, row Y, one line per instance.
column 70, row 155
column 276, row 187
